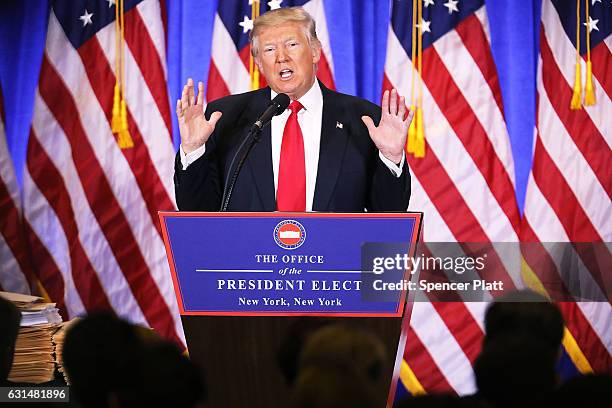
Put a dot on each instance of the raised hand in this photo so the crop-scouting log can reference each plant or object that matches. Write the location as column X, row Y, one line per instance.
column 390, row 134
column 193, row 126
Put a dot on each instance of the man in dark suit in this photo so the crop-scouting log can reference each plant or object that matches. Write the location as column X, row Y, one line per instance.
column 327, row 152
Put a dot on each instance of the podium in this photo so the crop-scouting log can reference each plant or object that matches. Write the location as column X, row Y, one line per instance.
column 244, row 281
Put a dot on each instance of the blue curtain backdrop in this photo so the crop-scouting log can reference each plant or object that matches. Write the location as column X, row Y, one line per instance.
column 358, row 59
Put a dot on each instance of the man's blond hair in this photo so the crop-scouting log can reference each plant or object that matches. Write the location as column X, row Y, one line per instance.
column 284, row 15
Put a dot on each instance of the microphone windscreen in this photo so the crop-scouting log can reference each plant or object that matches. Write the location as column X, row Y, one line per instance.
column 282, row 102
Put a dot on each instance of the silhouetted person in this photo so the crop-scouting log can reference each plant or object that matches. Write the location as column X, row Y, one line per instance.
column 166, row 378
column 516, row 369
column 525, row 312
column 341, row 366
column 592, row 390
column 100, row 354
column 111, row 363
column 433, row 401
column 10, row 318
column 328, row 387
column 345, row 348
column 522, row 344
column 294, row 341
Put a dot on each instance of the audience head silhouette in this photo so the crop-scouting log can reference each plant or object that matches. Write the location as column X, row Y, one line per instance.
column 515, row 370
column 523, row 334
column 592, row 390
column 9, row 328
column 340, row 366
column 528, row 313
column 293, row 343
column 111, row 363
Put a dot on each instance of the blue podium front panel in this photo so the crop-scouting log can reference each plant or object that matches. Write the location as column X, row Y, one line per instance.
column 279, row 263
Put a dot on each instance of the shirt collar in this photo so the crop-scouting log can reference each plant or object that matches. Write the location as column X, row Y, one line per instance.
column 311, row 99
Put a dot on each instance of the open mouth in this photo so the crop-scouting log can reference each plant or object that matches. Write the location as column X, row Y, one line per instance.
column 286, row 73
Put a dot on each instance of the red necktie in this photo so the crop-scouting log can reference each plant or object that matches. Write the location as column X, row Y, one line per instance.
column 291, row 193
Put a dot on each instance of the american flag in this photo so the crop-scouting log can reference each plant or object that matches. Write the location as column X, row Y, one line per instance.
column 92, row 206
column 570, row 185
column 229, row 71
column 465, row 182
column 471, row 200
column 14, row 263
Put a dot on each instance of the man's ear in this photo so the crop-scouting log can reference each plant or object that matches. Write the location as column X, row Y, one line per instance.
column 316, row 52
column 258, row 63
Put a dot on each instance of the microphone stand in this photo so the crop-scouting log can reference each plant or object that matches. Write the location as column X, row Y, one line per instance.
column 252, row 138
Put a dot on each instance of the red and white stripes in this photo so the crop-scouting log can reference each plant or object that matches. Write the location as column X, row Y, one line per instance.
column 570, row 186
column 14, row 262
column 464, row 184
column 93, row 206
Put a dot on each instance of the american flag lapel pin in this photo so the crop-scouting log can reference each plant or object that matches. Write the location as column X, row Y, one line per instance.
column 339, row 125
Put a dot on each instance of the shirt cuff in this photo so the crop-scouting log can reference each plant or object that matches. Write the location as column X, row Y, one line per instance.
column 395, row 169
column 187, row 159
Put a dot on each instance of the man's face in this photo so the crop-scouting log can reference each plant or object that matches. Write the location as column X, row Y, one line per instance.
column 286, row 59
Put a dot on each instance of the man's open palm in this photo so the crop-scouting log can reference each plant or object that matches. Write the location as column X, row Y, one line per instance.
column 193, row 126
column 391, row 133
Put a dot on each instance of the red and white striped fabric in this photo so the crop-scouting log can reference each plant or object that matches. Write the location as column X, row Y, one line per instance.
column 570, row 186
column 14, row 262
column 464, row 184
column 92, row 207
column 229, row 65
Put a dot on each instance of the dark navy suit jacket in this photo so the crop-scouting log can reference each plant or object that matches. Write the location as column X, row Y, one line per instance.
column 350, row 177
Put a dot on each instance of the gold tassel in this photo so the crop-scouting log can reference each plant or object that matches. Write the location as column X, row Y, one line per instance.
column 253, row 70
column 576, row 102
column 124, row 139
column 577, row 96
column 116, row 119
column 419, row 149
column 255, row 78
column 589, row 88
column 413, row 57
column 411, row 143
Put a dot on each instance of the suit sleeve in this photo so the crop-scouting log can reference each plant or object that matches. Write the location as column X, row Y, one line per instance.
column 388, row 192
column 198, row 188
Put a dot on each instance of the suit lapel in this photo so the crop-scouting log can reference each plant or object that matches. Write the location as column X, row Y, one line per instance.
column 331, row 153
column 260, row 159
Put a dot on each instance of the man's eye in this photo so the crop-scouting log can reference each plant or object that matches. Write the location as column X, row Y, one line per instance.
column 268, row 49
column 292, row 44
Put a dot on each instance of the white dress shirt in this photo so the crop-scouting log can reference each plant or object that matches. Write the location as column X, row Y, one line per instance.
column 310, row 119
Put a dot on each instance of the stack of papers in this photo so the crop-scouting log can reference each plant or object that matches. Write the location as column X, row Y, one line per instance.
column 34, row 310
column 34, row 359
column 58, row 342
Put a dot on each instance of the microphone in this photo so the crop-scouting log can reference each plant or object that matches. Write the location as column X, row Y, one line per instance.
column 276, row 107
